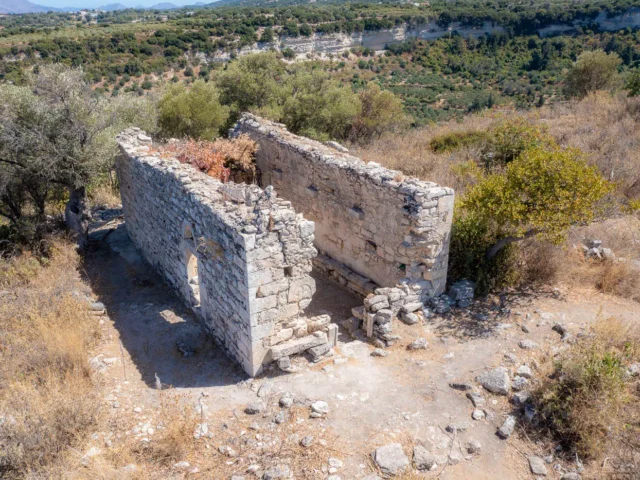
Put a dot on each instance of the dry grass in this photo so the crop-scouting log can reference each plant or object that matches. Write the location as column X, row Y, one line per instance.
column 588, row 402
column 606, row 127
column 104, row 196
column 47, row 397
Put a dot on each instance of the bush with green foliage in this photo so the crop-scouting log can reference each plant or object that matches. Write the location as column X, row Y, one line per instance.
column 456, row 140
column 536, row 189
column 541, row 193
column 195, row 113
column 593, row 71
column 380, row 111
column 307, row 99
column 633, row 83
column 56, row 136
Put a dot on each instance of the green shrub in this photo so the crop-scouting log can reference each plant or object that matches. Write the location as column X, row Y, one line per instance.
column 194, row 113
column 592, row 71
column 582, row 403
column 456, row 140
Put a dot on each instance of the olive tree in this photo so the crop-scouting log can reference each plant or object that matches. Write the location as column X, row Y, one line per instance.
column 57, row 135
column 194, row 113
column 592, row 71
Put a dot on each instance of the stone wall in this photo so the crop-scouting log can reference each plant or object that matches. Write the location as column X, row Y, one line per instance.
column 238, row 255
column 381, row 225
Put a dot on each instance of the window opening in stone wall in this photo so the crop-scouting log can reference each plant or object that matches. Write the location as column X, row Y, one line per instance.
column 288, row 271
column 193, row 277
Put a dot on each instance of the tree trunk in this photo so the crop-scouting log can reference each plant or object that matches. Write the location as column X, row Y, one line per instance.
column 77, row 216
column 503, row 242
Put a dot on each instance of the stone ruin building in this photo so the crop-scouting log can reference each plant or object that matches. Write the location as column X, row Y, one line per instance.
column 241, row 255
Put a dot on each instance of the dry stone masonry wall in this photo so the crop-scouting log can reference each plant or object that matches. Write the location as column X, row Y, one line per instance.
column 374, row 227
column 238, row 255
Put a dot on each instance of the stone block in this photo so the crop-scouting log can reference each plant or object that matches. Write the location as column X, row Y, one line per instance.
column 298, row 345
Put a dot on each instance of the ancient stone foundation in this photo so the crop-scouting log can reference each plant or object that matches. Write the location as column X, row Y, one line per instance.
column 238, row 255
column 374, row 227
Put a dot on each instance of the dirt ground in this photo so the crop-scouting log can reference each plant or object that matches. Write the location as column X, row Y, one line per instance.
column 404, row 397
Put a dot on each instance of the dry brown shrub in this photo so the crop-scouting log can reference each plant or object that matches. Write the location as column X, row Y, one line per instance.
column 540, row 262
column 239, row 150
column 48, row 402
column 605, row 127
column 588, row 402
column 619, row 277
column 216, row 158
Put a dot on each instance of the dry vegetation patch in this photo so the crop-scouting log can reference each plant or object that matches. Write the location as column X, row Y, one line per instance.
column 590, row 401
column 48, row 401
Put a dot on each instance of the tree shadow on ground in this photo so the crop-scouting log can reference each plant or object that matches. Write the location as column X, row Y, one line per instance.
column 488, row 317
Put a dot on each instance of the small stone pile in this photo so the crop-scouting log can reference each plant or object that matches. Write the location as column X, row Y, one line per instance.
column 593, row 249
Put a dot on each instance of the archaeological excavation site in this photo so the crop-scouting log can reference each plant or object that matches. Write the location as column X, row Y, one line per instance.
column 241, row 254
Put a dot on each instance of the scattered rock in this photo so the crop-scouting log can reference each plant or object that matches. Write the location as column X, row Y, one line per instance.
column 462, row 386
column 409, row 318
column 507, row 427
column 511, row 358
column 181, row 465
column 418, row 344
column 280, row 418
column 527, row 344
column 520, row 398
column 524, row 371
column 284, row 363
column 253, row 408
column 473, row 447
column 496, row 381
column 537, row 466
column 477, row 414
column 96, row 306
column 379, row 352
column 457, row 427
column 477, row 399
column 390, row 459
column 440, row 305
column 423, row 459
column 519, row 383
column 307, row 441
column 264, row 389
column 455, row 457
column 560, row 328
column 286, row 400
column 462, row 293
column 277, row 472
column 320, row 407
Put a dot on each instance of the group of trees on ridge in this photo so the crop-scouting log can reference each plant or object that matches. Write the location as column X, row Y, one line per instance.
column 57, row 140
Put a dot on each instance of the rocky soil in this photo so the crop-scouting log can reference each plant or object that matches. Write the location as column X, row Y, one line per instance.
column 448, row 398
